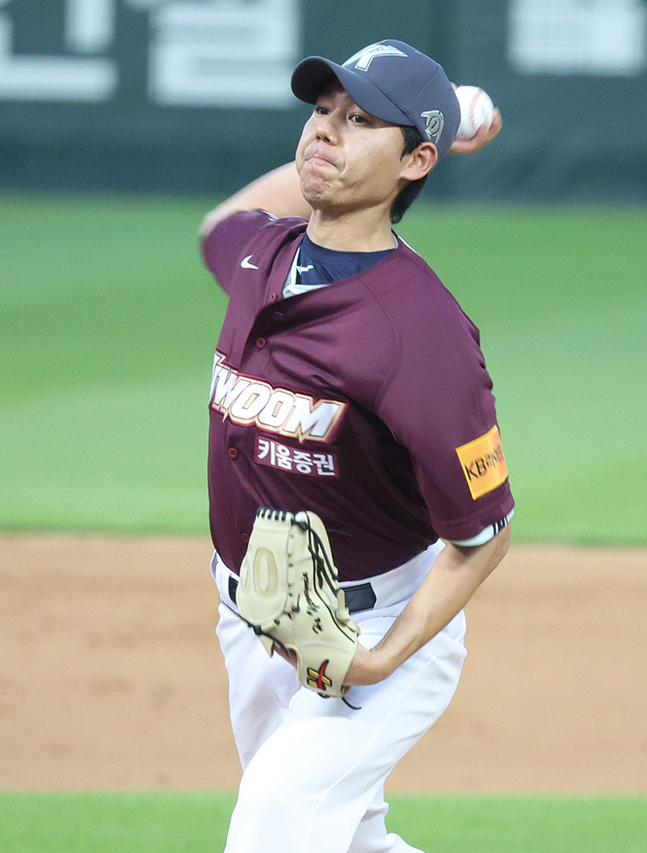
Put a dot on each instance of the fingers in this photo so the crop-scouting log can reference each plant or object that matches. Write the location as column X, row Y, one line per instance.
column 287, row 654
column 484, row 136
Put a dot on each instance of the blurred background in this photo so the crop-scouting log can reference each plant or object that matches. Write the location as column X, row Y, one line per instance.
column 193, row 95
column 123, row 121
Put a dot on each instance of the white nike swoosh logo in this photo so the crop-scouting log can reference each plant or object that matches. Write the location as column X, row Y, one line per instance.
column 245, row 263
column 305, row 269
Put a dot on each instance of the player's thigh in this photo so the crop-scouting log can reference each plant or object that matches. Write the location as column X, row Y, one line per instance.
column 260, row 687
column 332, row 758
column 327, row 750
column 379, row 723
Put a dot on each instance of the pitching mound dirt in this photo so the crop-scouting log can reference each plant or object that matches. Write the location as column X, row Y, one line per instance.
column 111, row 676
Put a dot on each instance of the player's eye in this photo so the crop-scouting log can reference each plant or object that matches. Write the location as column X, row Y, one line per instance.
column 320, row 110
column 357, row 118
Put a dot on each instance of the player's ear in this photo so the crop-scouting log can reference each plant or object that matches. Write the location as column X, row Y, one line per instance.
column 419, row 162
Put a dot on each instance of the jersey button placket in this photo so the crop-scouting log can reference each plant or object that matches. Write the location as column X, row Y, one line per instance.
column 261, row 343
column 232, row 453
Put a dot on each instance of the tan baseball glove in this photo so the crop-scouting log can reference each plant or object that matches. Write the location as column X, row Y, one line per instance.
column 289, row 594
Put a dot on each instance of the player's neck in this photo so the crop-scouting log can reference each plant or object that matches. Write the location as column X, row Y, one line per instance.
column 357, row 231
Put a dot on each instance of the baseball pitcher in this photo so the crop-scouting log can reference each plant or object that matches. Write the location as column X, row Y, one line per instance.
column 358, row 485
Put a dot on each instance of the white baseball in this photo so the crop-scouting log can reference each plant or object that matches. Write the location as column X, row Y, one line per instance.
column 476, row 109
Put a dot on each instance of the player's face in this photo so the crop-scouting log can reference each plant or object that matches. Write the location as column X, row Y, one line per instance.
column 348, row 159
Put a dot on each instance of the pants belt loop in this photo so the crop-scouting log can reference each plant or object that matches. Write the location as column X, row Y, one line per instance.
column 360, row 597
column 233, row 586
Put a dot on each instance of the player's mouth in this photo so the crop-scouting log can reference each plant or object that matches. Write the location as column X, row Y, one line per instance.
column 317, row 157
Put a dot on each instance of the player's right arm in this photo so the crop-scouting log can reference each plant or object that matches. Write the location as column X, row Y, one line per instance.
column 484, row 136
column 278, row 192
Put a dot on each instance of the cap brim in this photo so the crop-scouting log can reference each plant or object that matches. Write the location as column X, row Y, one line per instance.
column 312, row 75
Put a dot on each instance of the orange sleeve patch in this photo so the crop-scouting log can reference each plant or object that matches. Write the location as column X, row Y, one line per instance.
column 483, row 463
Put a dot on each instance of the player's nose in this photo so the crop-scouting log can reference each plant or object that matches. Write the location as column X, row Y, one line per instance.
column 325, row 128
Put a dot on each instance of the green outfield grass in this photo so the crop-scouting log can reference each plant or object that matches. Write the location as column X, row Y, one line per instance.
column 174, row 823
column 108, row 322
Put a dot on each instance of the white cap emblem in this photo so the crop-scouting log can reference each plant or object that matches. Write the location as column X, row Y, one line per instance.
column 435, row 123
column 363, row 58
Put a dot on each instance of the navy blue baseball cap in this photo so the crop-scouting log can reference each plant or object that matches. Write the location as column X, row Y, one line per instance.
column 392, row 81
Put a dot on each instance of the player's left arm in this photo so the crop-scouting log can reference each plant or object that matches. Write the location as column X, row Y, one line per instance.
column 454, row 578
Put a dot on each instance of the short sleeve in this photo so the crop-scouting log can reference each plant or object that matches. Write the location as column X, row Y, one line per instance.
column 223, row 247
column 439, row 404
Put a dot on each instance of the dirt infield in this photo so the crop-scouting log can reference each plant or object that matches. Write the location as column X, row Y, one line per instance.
column 111, row 676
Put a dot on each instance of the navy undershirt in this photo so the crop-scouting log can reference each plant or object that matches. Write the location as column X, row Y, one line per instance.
column 317, row 265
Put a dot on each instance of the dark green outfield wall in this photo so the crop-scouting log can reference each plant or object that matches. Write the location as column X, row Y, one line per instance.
column 193, row 95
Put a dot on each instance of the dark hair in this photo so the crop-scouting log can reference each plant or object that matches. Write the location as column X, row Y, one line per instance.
column 408, row 194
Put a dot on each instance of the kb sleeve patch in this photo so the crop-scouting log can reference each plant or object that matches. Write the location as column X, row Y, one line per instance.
column 483, row 463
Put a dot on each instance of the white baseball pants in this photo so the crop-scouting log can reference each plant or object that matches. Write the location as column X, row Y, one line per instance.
column 314, row 768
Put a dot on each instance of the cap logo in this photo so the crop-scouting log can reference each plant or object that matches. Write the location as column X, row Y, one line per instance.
column 364, row 57
column 435, row 123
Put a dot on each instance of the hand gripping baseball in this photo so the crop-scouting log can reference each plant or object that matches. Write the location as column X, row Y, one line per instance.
column 289, row 594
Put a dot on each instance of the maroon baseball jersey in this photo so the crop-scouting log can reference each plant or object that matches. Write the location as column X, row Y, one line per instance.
column 366, row 401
